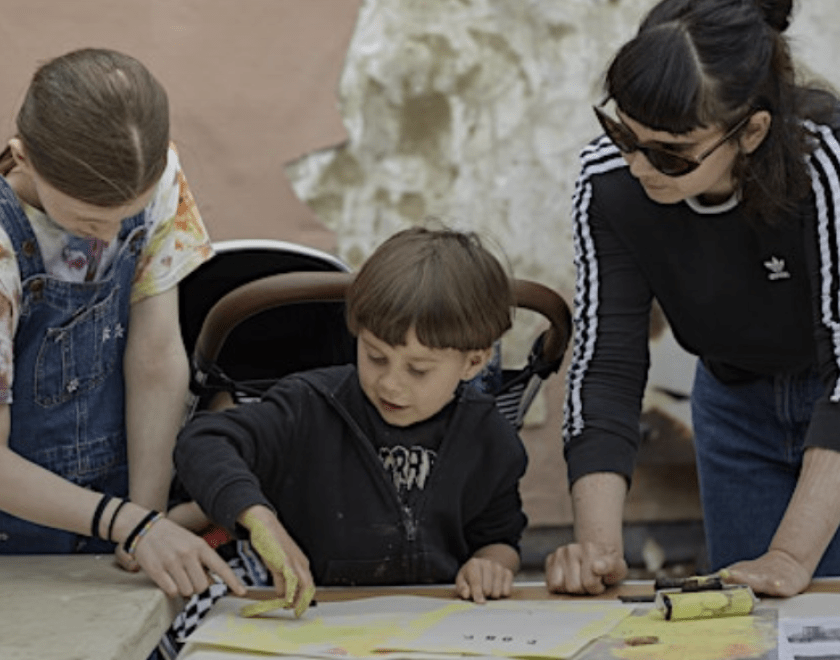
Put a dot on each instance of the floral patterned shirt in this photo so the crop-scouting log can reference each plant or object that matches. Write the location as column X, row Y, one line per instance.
column 176, row 244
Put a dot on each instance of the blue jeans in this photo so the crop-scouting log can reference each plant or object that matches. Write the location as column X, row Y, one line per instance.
column 749, row 442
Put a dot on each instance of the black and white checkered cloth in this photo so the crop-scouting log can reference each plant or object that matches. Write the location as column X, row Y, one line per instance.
column 250, row 570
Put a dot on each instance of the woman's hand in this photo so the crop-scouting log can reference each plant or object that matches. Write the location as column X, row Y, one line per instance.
column 584, row 568
column 810, row 521
column 596, row 561
column 775, row 573
column 287, row 563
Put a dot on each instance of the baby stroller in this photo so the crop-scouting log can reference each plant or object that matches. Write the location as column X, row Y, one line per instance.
column 259, row 346
column 259, row 310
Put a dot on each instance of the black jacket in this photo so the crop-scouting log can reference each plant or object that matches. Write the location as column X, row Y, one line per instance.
column 300, row 452
column 750, row 299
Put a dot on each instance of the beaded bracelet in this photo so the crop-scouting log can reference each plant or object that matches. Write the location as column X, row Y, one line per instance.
column 97, row 515
column 131, row 541
column 114, row 518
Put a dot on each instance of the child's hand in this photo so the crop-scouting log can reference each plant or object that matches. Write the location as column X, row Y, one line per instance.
column 480, row 579
column 287, row 563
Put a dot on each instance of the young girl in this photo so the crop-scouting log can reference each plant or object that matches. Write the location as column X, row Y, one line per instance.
column 715, row 190
column 97, row 227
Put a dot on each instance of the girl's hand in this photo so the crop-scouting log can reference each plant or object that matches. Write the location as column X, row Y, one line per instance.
column 480, row 579
column 178, row 561
column 287, row 563
column 125, row 560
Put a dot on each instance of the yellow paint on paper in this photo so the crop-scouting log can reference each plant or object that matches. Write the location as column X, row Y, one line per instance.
column 702, row 639
column 284, row 636
column 367, row 628
column 263, row 606
column 422, row 622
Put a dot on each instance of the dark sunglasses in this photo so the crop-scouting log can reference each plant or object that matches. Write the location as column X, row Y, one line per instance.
column 667, row 162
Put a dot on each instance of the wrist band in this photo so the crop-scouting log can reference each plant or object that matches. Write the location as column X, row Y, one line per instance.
column 114, row 518
column 130, row 544
column 97, row 515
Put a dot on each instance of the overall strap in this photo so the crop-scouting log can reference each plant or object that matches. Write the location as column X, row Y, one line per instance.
column 14, row 221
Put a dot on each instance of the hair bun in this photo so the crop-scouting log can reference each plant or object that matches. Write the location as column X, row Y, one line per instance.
column 776, row 13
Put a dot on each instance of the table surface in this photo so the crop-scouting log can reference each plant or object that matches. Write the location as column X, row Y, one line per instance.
column 521, row 591
column 62, row 607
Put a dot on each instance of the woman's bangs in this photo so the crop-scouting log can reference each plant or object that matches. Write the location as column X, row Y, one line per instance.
column 654, row 81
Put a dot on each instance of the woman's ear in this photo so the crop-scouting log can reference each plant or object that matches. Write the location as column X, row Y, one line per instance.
column 475, row 362
column 755, row 131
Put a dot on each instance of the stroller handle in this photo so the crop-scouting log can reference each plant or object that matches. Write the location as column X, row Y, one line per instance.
column 540, row 298
column 258, row 296
column 329, row 286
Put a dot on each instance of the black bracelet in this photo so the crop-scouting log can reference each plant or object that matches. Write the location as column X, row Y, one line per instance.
column 114, row 518
column 142, row 527
column 97, row 515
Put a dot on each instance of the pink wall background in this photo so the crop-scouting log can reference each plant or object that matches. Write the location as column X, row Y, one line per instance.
column 251, row 86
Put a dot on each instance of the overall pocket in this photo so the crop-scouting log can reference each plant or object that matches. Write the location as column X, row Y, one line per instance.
column 79, row 355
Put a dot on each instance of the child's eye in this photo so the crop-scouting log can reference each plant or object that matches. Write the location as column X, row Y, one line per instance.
column 377, row 359
column 416, row 372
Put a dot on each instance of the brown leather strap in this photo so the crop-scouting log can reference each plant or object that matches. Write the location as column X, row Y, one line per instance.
column 312, row 286
column 539, row 298
column 259, row 295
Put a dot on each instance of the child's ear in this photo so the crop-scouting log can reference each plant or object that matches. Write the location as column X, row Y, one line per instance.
column 475, row 362
column 19, row 153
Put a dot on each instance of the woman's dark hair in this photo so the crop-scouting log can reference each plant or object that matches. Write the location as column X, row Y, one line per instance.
column 95, row 125
column 701, row 63
column 443, row 283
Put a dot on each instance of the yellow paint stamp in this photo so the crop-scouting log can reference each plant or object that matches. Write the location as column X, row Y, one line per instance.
column 731, row 600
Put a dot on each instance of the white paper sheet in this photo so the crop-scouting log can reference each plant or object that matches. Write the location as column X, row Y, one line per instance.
column 519, row 629
column 416, row 626
column 809, row 627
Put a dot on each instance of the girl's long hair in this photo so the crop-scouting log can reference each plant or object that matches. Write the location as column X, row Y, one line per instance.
column 95, row 125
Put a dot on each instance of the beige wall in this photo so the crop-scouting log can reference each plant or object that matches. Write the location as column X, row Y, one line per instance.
column 377, row 112
column 252, row 85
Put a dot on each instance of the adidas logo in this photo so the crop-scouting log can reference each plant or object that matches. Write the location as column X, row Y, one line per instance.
column 776, row 268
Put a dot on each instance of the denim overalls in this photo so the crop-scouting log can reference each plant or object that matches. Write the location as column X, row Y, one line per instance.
column 68, row 411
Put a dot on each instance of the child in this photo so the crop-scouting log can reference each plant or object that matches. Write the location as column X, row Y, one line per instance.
column 97, row 227
column 391, row 470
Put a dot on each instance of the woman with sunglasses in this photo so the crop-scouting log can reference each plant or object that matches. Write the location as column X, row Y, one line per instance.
column 715, row 190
